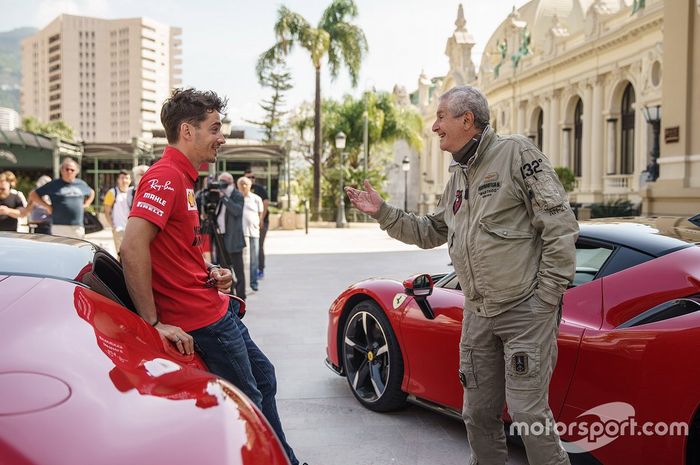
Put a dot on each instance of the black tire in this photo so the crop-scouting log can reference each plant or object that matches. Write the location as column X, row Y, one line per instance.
column 372, row 358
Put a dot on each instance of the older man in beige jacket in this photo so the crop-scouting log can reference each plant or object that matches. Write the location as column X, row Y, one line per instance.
column 511, row 236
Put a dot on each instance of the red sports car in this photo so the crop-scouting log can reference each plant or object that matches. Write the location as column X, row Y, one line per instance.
column 83, row 379
column 626, row 388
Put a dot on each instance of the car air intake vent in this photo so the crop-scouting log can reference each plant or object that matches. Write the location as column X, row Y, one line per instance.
column 665, row 311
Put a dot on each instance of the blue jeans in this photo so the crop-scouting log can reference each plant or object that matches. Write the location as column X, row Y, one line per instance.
column 253, row 251
column 230, row 353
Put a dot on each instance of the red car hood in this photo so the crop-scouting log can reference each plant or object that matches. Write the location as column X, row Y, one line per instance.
column 83, row 380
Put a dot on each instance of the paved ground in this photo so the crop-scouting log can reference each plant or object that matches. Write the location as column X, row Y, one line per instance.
column 288, row 317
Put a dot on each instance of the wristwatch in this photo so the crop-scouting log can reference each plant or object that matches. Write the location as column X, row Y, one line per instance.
column 211, row 267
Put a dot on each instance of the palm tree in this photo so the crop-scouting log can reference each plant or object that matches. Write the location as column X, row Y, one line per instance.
column 336, row 39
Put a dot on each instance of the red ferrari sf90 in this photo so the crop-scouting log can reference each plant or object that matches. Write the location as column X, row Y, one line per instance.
column 626, row 388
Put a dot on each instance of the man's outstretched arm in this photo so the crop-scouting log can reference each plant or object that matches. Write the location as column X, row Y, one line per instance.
column 424, row 231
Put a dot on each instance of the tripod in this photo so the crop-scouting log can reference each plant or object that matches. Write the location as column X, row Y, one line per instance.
column 211, row 227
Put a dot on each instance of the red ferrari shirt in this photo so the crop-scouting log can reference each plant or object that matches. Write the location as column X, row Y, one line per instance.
column 165, row 197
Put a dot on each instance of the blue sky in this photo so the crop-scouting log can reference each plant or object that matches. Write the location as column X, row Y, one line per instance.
column 222, row 39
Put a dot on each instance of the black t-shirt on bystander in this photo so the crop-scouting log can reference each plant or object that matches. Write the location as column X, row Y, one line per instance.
column 7, row 223
column 262, row 192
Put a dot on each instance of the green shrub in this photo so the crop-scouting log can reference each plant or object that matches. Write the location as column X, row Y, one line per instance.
column 617, row 207
column 566, row 177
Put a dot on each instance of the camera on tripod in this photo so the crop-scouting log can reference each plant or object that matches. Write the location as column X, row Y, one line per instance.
column 211, row 196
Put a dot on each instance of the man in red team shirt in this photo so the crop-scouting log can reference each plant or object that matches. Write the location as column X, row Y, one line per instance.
column 171, row 286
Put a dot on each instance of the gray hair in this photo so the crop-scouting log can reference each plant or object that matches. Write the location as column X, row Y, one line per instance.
column 68, row 161
column 138, row 172
column 243, row 180
column 463, row 99
column 226, row 175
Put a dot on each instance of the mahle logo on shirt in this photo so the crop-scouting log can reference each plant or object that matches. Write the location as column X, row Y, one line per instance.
column 191, row 202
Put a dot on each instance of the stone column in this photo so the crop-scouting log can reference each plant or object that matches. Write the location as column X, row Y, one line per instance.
column 521, row 118
column 612, row 146
column 566, row 149
column 547, row 117
column 596, row 149
column 586, row 145
column 554, row 149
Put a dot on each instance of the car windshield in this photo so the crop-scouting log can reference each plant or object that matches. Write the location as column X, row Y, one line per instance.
column 42, row 255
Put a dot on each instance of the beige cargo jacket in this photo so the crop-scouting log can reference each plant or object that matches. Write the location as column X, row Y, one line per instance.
column 508, row 225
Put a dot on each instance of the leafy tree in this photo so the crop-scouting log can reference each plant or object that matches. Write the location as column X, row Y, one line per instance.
column 388, row 122
column 51, row 129
column 279, row 80
column 336, row 39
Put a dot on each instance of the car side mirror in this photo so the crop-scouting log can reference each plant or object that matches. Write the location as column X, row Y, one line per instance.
column 420, row 287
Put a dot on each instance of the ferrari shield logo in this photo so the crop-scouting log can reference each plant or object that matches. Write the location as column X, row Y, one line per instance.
column 191, row 203
column 398, row 300
column 520, row 363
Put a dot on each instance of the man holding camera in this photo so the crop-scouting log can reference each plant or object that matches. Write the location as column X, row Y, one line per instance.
column 229, row 219
column 172, row 288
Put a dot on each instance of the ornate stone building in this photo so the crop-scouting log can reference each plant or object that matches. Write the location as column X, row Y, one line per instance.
column 576, row 76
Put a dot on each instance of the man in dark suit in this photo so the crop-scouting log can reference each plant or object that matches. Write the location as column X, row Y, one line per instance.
column 229, row 217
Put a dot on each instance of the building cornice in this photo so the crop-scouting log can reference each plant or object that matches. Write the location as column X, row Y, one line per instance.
column 651, row 21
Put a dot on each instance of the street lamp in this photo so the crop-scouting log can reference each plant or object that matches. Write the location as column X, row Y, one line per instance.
column 340, row 221
column 226, row 126
column 405, row 166
column 287, row 153
column 653, row 117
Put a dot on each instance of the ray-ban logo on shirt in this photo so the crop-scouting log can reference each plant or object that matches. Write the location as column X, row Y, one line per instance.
column 154, row 184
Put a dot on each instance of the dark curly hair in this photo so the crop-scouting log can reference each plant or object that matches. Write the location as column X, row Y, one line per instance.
column 188, row 106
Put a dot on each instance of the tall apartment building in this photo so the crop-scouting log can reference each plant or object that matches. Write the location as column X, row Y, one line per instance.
column 106, row 78
column 9, row 119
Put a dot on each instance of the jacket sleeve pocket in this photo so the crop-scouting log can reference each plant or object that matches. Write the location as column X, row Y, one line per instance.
column 545, row 192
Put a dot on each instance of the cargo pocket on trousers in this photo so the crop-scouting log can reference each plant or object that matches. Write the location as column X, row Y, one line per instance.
column 522, row 366
column 467, row 371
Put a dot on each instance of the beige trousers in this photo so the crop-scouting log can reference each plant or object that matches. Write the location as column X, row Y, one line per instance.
column 510, row 358
column 118, row 238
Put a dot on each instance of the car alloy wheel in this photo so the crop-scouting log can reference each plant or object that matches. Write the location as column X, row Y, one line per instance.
column 372, row 359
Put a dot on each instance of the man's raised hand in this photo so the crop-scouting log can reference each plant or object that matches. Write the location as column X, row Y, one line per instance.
column 367, row 201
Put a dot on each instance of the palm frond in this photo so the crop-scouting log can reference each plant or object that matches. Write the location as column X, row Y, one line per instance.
column 349, row 47
column 269, row 59
column 338, row 11
column 289, row 27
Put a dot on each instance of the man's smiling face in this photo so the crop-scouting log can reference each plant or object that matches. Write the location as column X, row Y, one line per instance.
column 454, row 131
column 208, row 138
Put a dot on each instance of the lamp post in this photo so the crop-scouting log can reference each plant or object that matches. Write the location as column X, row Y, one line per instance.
column 405, row 166
column 287, row 150
column 653, row 117
column 340, row 221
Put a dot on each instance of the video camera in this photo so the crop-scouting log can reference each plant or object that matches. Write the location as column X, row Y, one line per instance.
column 211, row 196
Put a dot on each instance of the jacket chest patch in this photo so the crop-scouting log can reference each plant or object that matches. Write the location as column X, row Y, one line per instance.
column 458, row 201
column 489, row 185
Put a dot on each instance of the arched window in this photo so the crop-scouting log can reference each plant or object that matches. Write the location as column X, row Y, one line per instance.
column 627, row 128
column 578, row 137
column 540, row 123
